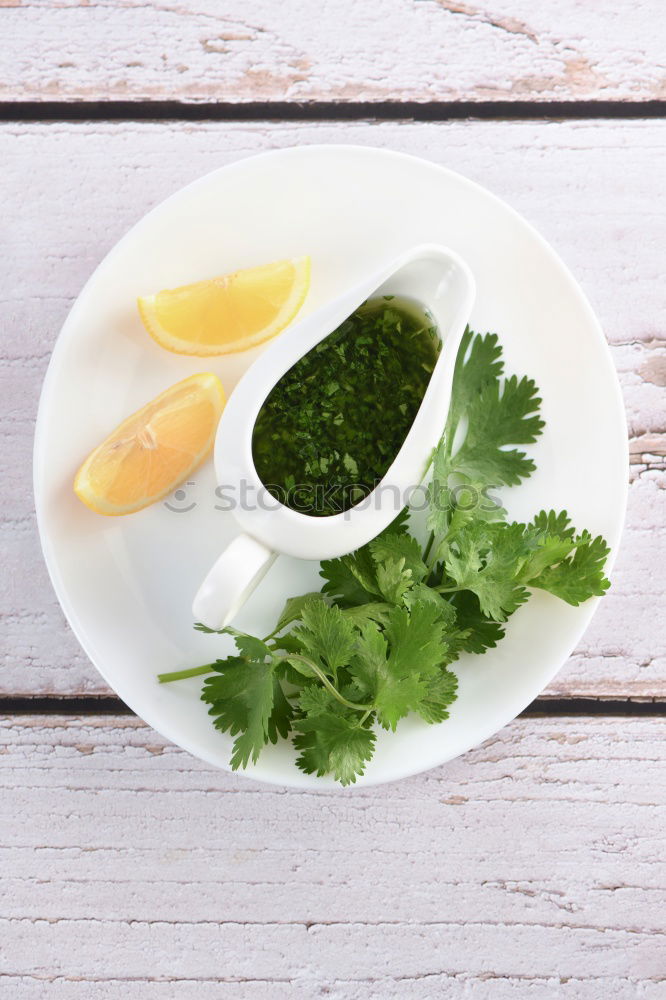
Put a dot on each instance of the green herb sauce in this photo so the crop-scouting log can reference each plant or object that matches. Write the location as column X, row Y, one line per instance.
column 333, row 424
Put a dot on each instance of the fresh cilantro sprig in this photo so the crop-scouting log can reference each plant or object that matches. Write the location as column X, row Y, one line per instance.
column 376, row 643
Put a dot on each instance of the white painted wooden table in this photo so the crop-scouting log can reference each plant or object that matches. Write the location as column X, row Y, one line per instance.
column 534, row 866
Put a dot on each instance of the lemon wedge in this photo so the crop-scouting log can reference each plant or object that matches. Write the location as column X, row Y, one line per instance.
column 227, row 314
column 154, row 450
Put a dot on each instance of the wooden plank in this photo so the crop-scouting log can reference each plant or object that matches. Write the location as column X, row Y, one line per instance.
column 127, row 866
column 379, row 50
column 593, row 189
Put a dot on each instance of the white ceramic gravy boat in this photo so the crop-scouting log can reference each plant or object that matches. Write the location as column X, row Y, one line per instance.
column 439, row 281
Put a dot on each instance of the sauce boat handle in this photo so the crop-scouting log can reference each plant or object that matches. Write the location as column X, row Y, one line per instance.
column 230, row 581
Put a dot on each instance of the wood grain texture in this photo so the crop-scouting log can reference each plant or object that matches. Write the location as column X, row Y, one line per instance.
column 334, row 50
column 593, row 189
column 169, row 874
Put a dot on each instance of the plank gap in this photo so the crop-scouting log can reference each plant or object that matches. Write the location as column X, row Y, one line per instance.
column 593, row 706
column 540, row 707
column 55, row 705
column 431, row 111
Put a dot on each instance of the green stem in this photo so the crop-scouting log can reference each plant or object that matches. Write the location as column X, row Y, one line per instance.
column 180, row 675
column 325, row 681
column 426, row 551
column 442, row 540
column 446, row 590
column 431, row 563
column 207, row 668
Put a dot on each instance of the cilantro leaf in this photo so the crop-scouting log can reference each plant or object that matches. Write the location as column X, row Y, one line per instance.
column 392, row 667
column 441, row 692
column 422, row 593
column 581, row 575
column 476, row 633
column 293, row 609
column 246, row 698
column 249, row 646
column 484, row 559
column 553, row 523
column 331, row 738
column 394, row 580
column 326, row 635
column 416, row 638
column 499, row 416
column 376, row 611
column 485, row 417
column 396, row 547
column 393, row 691
column 453, row 507
column 351, row 579
column 542, row 551
column 479, row 362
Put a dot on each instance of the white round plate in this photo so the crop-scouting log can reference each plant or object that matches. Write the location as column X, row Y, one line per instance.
column 126, row 584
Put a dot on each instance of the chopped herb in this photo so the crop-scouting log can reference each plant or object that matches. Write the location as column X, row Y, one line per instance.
column 335, row 421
